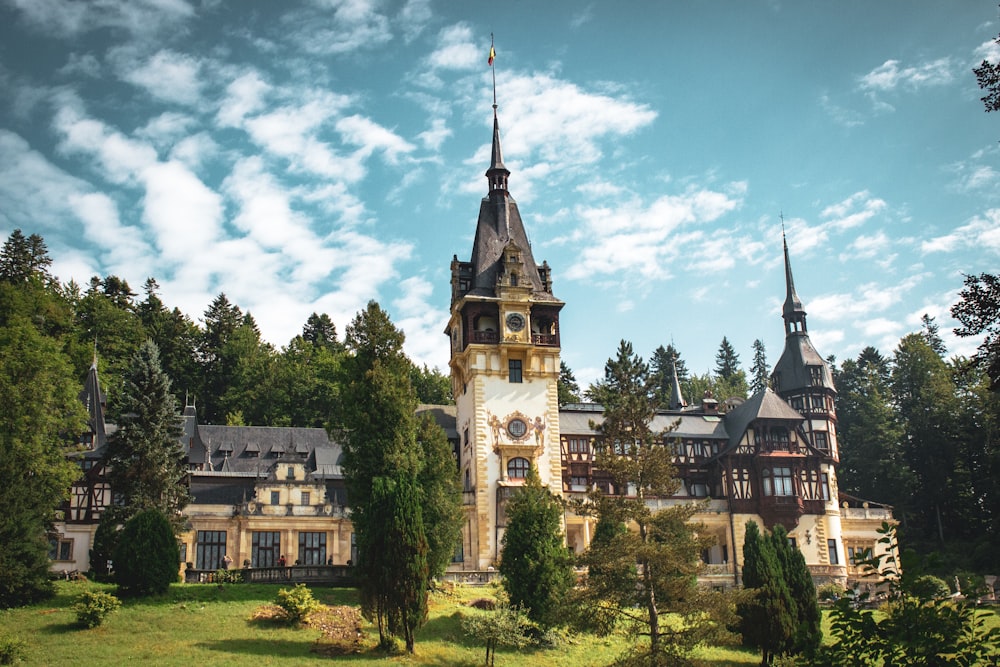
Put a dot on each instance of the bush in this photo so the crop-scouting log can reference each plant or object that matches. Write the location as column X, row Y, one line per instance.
column 92, row 607
column 228, row 577
column 298, row 603
column 11, row 650
column 829, row 592
column 929, row 587
column 146, row 560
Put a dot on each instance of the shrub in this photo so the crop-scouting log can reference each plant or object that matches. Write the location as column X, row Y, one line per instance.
column 829, row 592
column 228, row 577
column 929, row 587
column 298, row 603
column 92, row 607
column 11, row 650
column 146, row 560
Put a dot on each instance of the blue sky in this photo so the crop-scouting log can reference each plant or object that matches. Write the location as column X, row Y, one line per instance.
column 313, row 155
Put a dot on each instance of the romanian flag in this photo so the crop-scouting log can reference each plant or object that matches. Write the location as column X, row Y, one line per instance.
column 493, row 54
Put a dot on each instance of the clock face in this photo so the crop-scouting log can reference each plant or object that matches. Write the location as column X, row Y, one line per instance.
column 515, row 321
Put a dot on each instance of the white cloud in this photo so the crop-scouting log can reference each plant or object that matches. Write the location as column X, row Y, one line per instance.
column 33, row 191
column 867, row 302
column 636, row 241
column 981, row 232
column 846, row 214
column 988, row 50
column 433, row 138
column 413, row 17
column 244, row 95
column 338, row 26
column 867, row 246
column 456, row 50
column 890, row 75
column 371, row 136
column 119, row 157
column 166, row 128
column 168, row 76
column 139, row 17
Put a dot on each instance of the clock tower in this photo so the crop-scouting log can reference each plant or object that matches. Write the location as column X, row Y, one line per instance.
column 504, row 331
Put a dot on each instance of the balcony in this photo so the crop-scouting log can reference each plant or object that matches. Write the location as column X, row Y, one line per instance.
column 486, row 337
column 545, row 340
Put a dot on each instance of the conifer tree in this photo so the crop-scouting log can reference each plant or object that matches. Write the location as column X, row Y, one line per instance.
column 569, row 390
column 805, row 607
column 663, row 545
column 536, row 567
column 727, row 362
column 441, row 499
column 759, row 372
column 767, row 620
column 382, row 464
column 145, row 459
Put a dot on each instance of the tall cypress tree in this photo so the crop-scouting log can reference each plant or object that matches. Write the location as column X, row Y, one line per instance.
column 767, row 620
column 382, row 462
column 536, row 567
column 805, row 607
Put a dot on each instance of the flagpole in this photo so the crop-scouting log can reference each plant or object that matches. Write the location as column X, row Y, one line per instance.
column 493, row 68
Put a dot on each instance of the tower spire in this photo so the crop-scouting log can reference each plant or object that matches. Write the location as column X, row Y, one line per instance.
column 793, row 313
column 497, row 174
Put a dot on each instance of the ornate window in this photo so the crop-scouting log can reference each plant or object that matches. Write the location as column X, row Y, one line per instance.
column 265, row 547
column 312, row 548
column 517, row 468
column 777, row 482
column 211, row 548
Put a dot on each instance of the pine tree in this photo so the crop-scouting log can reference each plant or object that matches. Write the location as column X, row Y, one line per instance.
column 145, row 460
column 569, row 390
column 321, row 331
column 536, row 567
column 759, row 374
column 727, row 362
column 663, row 545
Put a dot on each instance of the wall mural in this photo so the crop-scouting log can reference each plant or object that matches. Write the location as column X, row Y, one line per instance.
column 516, row 429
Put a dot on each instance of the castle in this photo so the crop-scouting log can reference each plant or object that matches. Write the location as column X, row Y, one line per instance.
column 267, row 496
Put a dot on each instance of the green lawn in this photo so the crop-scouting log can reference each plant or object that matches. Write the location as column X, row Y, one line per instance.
column 205, row 625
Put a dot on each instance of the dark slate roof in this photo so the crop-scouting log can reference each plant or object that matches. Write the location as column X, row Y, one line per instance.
column 500, row 225
column 94, row 402
column 255, row 449
column 791, row 372
column 765, row 404
column 220, row 489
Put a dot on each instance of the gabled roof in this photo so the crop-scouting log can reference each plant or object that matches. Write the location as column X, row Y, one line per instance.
column 764, row 405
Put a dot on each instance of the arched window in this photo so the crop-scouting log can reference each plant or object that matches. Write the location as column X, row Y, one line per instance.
column 517, row 468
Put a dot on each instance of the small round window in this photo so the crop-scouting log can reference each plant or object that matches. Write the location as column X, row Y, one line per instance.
column 517, row 428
